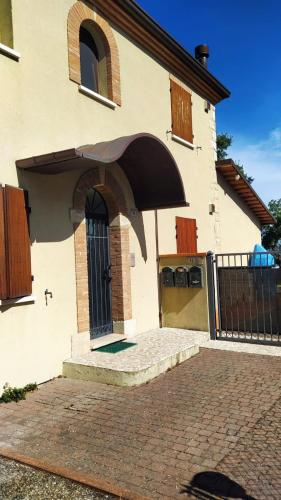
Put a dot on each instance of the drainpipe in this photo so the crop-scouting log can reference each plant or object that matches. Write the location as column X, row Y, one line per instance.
column 158, row 267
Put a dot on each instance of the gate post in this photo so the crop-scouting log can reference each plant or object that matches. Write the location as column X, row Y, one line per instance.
column 211, row 295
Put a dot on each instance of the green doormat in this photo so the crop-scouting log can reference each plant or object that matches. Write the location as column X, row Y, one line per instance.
column 116, row 347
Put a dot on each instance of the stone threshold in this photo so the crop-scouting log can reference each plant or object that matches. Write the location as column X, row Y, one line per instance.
column 248, row 348
column 149, row 355
column 108, row 339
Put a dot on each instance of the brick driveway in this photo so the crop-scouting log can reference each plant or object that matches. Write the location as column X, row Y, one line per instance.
column 219, row 412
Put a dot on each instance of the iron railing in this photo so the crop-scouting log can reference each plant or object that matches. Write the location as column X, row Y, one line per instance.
column 248, row 293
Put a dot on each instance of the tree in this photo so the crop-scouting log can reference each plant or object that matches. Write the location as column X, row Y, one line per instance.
column 248, row 178
column 224, row 141
column 271, row 235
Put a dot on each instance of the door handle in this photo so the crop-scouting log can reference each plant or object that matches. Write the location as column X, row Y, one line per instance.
column 107, row 275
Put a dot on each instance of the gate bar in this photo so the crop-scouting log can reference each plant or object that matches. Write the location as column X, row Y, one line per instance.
column 211, row 295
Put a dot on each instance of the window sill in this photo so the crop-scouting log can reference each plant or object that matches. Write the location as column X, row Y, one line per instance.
column 97, row 97
column 7, row 51
column 20, row 300
column 183, row 141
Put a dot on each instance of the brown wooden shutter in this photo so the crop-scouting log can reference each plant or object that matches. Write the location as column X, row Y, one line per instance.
column 3, row 275
column 19, row 282
column 186, row 235
column 181, row 112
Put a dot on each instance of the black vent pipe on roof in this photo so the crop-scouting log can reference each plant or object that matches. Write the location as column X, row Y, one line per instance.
column 202, row 54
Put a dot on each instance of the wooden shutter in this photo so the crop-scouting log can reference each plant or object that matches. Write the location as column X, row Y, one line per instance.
column 186, row 235
column 181, row 112
column 3, row 275
column 18, row 261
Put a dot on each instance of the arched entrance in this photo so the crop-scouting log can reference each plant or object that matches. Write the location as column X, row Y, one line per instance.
column 152, row 178
column 99, row 266
column 98, row 203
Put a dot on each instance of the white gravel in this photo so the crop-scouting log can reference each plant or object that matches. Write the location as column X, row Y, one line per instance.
column 20, row 482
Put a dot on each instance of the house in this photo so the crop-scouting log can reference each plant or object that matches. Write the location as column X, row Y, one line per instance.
column 108, row 159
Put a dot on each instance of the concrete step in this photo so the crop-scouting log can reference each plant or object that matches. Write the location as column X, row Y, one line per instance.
column 149, row 355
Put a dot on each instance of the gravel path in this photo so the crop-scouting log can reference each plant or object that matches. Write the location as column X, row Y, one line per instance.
column 19, row 482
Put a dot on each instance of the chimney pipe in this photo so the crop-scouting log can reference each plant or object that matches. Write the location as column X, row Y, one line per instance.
column 202, row 54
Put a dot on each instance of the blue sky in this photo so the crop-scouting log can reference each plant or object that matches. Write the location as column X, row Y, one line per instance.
column 245, row 55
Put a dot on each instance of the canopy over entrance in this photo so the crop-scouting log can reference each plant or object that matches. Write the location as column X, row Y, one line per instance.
column 148, row 164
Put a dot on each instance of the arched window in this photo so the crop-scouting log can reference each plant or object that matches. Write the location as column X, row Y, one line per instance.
column 93, row 54
column 95, row 205
column 6, row 24
column 89, row 60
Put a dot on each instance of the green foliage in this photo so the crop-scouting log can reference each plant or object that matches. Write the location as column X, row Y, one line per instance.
column 271, row 235
column 16, row 393
column 275, row 208
column 224, row 141
column 31, row 387
column 247, row 177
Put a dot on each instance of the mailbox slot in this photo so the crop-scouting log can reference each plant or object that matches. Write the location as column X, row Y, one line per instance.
column 181, row 277
column 196, row 277
column 167, row 277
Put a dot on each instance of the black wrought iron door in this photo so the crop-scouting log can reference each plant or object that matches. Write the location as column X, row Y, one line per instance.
column 98, row 265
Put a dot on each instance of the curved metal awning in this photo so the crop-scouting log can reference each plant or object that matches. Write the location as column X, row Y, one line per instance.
column 148, row 164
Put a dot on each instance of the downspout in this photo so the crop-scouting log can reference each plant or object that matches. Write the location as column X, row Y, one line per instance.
column 158, row 267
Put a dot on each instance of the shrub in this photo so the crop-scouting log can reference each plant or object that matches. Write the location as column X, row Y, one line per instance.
column 16, row 393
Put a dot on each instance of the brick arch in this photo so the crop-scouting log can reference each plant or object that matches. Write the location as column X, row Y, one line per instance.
column 81, row 13
column 104, row 182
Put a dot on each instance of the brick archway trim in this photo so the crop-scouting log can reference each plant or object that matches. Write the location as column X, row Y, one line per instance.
column 104, row 182
column 78, row 14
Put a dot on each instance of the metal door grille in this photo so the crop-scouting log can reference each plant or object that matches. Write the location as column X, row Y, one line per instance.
column 249, row 297
column 98, row 265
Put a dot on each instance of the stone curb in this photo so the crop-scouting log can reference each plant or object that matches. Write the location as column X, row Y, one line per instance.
column 79, row 477
column 118, row 377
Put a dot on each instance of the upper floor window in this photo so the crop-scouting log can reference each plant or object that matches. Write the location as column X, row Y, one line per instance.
column 93, row 55
column 93, row 59
column 89, row 61
column 6, row 24
column 181, row 108
column 6, row 30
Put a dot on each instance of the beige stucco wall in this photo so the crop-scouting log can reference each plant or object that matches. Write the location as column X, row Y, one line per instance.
column 42, row 112
column 239, row 229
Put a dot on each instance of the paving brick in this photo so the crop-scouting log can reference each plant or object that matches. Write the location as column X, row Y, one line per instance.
column 219, row 412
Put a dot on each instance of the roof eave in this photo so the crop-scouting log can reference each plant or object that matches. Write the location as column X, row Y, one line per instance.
column 210, row 87
column 268, row 218
column 170, row 42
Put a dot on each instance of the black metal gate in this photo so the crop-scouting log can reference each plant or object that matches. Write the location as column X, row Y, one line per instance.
column 98, row 265
column 249, row 297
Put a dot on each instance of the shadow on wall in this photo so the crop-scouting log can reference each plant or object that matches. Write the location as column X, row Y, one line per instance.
column 228, row 191
column 51, row 199
column 138, row 227
column 211, row 485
